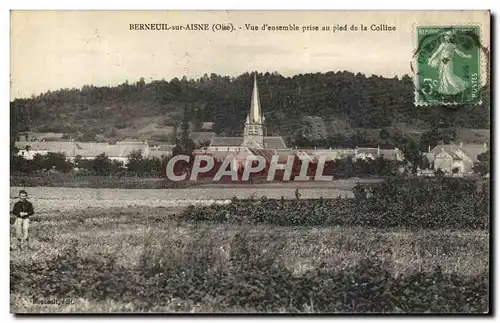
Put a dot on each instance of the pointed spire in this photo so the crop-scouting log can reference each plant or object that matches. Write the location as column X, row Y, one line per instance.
column 255, row 111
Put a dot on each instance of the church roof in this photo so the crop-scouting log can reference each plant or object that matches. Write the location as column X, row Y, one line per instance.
column 274, row 143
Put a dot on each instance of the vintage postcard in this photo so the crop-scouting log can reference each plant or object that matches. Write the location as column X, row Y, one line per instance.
column 250, row 162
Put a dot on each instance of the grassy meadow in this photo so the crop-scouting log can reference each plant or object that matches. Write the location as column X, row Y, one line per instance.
column 147, row 259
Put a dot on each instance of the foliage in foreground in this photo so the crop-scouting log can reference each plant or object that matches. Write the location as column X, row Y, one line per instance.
column 248, row 279
column 410, row 203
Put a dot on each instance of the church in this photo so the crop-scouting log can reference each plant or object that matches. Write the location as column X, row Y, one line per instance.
column 254, row 137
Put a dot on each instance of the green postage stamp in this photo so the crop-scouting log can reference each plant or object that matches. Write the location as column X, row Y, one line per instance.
column 448, row 63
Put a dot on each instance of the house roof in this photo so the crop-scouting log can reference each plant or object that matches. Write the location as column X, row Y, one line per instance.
column 471, row 150
column 207, row 125
column 66, row 147
column 368, row 150
column 84, row 149
column 447, row 148
column 44, row 145
column 92, row 149
column 474, row 150
column 129, row 141
column 332, row 152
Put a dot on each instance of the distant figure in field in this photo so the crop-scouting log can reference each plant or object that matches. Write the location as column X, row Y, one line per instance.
column 297, row 194
column 23, row 209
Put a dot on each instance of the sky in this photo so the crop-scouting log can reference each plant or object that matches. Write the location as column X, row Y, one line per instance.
column 51, row 50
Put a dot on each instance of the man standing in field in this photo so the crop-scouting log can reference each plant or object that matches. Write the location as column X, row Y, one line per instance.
column 23, row 209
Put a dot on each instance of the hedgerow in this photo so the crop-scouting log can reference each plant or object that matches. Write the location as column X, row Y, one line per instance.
column 398, row 202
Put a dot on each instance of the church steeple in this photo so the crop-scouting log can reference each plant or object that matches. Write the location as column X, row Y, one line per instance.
column 255, row 110
column 254, row 131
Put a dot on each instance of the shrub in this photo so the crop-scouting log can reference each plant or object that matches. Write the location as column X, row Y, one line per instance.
column 396, row 202
column 253, row 281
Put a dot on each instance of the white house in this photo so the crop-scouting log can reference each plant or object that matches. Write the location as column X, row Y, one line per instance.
column 86, row 150
column 461, row 157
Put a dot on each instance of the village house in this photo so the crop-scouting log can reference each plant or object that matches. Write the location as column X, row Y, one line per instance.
column 460, row 158
column 119, row 152
column 357, row 153
column 85, row 150
column 28, row 149
column 374, row 153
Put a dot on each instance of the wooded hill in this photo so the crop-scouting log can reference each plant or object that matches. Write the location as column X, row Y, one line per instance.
column 354, row 100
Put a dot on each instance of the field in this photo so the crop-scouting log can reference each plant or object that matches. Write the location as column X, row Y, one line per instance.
column 133, row 256
column 47, row 199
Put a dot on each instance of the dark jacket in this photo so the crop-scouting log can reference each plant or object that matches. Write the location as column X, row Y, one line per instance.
column 21, row 206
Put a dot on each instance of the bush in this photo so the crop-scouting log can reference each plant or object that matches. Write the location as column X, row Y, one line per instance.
column 396, row 202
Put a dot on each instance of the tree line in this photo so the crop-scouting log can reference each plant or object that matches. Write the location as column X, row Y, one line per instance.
column 137, row 165
column 102, row 165
column 362, row 101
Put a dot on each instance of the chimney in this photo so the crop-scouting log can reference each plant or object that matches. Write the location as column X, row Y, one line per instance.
column 485, row 145
column 429, row 149
column 378, row 150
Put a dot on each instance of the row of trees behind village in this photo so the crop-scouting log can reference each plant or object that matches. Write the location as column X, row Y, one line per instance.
column 137, row 165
